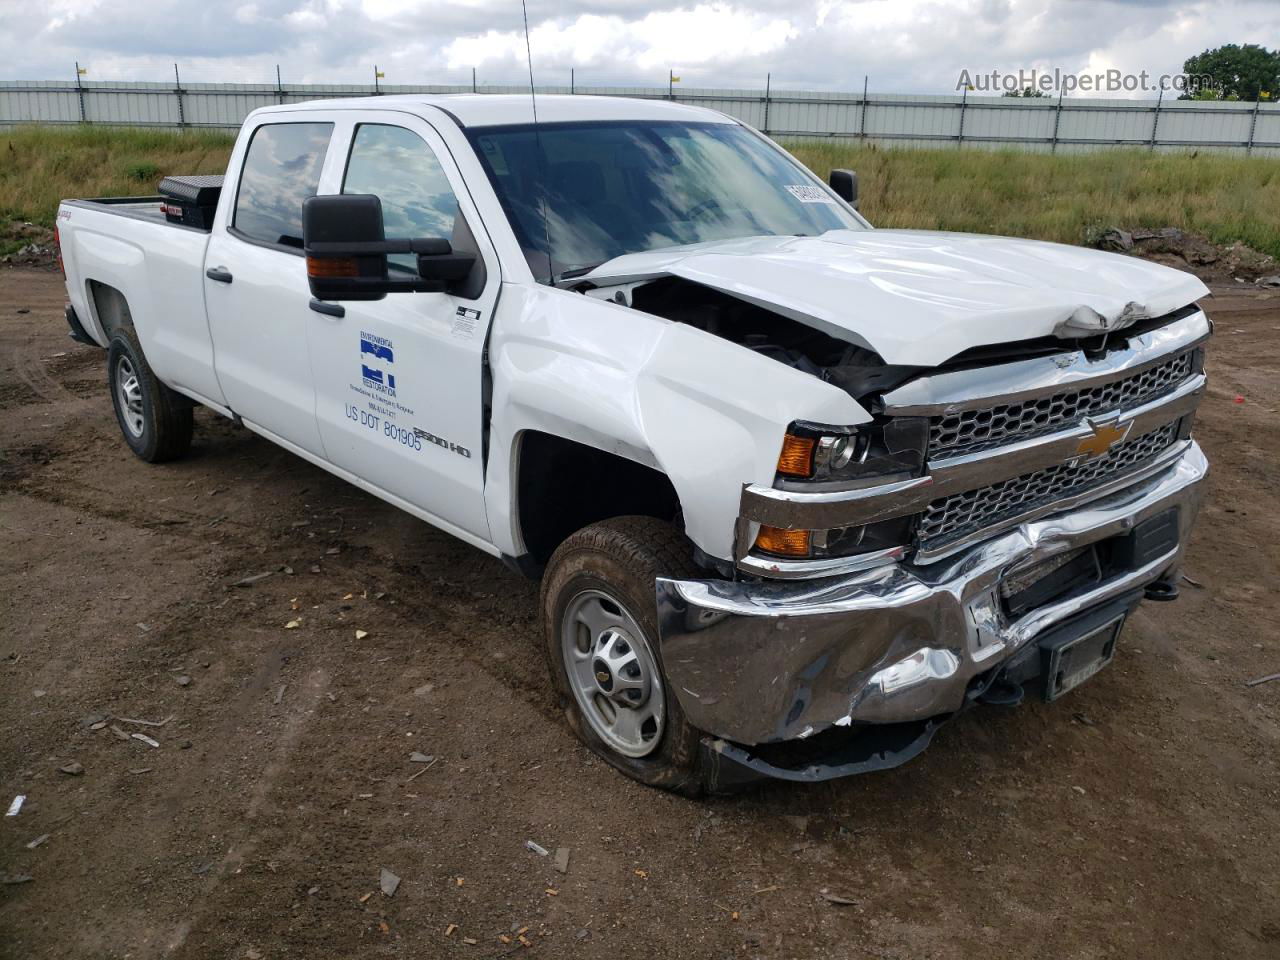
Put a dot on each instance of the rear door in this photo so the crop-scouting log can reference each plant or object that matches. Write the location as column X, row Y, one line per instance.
column 400, row 381
column 256, row 290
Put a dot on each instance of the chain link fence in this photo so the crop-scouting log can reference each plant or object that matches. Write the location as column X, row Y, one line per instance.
column 1036, row 124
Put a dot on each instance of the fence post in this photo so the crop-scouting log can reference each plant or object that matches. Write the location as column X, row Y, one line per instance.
column 473, row 79
column 768, row 80
column 279, row 88
column 1155, row 123
column 1057, row 120
column 177, row 89
column 1253, row 126
column 964, row 102
column 572, row 89
column 80, row 93
column 862, row 111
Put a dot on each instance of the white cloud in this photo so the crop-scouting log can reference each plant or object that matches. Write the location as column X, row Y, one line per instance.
column 907, row 46
column 669, row 38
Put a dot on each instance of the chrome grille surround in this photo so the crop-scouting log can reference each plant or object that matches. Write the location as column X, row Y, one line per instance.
column 948, row 518
column 1148, row 390
column 968, row 431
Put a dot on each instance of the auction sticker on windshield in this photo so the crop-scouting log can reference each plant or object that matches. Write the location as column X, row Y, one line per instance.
column 809, row 194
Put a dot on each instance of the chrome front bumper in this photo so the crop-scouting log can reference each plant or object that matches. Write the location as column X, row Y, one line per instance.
column 765, row 662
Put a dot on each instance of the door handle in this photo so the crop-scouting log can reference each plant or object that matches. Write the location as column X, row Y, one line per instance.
column 221, row 274
column 328, row 309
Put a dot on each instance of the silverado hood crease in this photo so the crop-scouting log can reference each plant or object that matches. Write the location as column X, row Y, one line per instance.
column 918, row 297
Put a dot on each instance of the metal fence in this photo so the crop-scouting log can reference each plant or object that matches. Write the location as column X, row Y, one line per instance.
column 1047, row 125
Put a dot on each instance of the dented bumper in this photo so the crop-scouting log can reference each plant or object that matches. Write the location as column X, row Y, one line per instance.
column 767, row 662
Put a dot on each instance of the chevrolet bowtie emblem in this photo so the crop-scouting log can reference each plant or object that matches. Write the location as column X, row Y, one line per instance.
column 1105, row 436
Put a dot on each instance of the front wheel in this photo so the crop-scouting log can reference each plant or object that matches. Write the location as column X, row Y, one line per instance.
column 156, row 422
column 600, row 626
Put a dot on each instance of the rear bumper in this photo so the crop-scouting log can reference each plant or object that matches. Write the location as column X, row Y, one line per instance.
column 767, row 662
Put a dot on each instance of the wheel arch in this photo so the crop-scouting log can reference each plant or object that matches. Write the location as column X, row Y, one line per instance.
column 110, row 307
column 563, row 485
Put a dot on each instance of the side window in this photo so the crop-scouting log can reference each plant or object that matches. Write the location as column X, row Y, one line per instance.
column 402, row 170
column 281, row 169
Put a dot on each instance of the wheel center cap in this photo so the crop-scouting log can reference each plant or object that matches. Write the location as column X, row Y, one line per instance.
column 604, row 676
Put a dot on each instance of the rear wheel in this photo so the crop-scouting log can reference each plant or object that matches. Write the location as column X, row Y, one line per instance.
column 600, row 628
column 156, row 422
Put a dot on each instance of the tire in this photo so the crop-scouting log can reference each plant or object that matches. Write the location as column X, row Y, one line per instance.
column 615, row 562
column 156, row 422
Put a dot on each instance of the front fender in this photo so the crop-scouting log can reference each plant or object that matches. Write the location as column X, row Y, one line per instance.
column 708, row 413
column 714, row 413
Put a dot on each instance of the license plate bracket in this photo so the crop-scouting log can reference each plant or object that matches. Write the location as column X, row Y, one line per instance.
column 1071, row 659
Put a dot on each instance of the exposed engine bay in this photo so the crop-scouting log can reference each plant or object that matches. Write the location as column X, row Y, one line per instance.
column 856, row 370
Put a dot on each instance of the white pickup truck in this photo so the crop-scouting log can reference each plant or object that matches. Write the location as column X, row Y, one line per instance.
column 798, row 490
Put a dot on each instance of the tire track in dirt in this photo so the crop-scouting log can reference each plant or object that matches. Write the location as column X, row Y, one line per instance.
column 243, row 846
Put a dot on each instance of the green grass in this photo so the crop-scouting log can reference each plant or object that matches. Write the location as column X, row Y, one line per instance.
column 1070, row 199
column 41, row 165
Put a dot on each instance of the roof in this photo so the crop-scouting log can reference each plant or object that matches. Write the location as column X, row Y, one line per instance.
column 488, row 110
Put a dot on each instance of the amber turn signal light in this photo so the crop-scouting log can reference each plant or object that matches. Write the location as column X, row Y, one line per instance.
column 332, row 267
column 796, row 459
column 784, row 543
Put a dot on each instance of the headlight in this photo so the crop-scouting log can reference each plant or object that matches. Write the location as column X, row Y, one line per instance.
column 887, row 447
column 819, row 457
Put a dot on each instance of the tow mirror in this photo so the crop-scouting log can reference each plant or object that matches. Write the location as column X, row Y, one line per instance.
column 845, row 183
column 347, row 253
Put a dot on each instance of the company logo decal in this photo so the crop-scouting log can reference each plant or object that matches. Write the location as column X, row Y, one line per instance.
column 376, row 356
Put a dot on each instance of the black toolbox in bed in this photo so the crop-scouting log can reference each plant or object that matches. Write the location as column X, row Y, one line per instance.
column 191, row 200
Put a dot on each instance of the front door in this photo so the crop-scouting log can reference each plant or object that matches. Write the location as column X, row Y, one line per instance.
column 399, row 381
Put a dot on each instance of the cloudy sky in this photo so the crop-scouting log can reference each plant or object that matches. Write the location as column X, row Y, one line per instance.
column 907, row 46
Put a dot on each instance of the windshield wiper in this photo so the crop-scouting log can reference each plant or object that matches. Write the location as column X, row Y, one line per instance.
column 579, row 271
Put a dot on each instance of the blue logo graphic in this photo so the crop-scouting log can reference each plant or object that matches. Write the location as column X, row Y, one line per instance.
column 377, row 349
column 380, row 348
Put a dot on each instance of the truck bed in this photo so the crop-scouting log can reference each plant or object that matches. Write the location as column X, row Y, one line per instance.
column 138, row 208
column 126, row 246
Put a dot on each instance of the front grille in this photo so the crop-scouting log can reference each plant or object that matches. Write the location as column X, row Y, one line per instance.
column 949, row 518
column 974, row 430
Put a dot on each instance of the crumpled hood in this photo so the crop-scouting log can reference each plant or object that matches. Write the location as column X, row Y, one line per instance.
column 919, row 298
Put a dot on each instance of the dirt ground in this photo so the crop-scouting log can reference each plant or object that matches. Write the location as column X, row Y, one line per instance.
column 1135, row 818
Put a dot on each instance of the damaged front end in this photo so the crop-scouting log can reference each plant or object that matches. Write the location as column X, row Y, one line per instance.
column 1023, row 476
column 1052, row 491
column 822, row 679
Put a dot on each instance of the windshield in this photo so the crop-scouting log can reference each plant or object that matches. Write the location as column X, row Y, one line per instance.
column 630, row 186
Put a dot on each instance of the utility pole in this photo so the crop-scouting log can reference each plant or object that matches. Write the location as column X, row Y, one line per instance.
column 177, row 89
column 571, row 81
column 1253, row 125
column 377, row 74
column 473, row 79
column 80, row 72
column 1057, row 120
column 1155, row 123
column 862, row 111
column 279, row 88
column 768, row 81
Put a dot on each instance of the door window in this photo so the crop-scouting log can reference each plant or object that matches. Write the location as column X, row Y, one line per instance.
column 281, row 169
column 400, row 168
